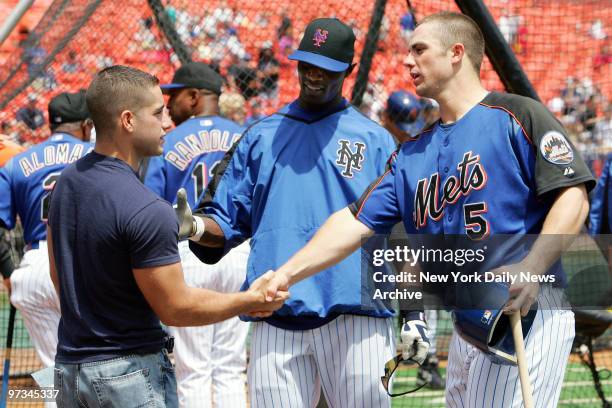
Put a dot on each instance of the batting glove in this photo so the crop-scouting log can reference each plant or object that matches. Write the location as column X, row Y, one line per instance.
column 414, row 336
column 183, row 213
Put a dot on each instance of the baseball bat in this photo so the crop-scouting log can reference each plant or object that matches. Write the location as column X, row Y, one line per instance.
column 519, row 345
column 7, row 356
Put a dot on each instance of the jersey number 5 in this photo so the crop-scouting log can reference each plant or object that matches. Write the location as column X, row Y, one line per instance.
column 476, row 226
column 47, row 185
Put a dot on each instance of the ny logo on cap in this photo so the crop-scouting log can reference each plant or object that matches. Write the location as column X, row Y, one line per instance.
column 320, row 37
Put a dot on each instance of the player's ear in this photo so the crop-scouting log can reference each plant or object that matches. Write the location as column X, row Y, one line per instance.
column 457, row 52
column 127, row 120
column 194, row 96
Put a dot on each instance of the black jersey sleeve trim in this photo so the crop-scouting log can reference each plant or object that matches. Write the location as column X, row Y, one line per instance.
column 357, row 206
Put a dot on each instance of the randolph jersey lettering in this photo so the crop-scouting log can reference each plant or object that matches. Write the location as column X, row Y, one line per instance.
column 191, row 152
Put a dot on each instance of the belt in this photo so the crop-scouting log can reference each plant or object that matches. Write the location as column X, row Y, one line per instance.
column 169, row 344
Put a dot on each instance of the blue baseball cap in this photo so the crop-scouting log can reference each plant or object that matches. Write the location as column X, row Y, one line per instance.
column 327, row 43
column 404, row 109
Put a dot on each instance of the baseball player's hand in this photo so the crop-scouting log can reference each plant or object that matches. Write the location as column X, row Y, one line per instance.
column 183, row 213
column 264, row 305
column 522, row 294
column 278, row 282
column 414, row 340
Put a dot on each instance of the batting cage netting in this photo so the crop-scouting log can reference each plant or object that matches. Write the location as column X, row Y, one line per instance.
column 563, row 47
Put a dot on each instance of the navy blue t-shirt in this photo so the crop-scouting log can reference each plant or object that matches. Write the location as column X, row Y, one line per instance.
column 105, row 222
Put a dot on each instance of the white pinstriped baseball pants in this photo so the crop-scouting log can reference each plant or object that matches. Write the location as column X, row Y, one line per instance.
column 473, row 381
column 211, row 360
column 345, row 357
column 33, row 294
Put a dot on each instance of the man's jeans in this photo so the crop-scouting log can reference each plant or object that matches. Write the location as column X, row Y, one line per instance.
column 131, row 381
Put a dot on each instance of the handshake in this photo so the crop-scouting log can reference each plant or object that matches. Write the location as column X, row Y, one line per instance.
column 269, row 291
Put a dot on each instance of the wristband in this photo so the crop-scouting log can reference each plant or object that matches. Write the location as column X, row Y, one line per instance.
column 413, row 315
column 198, row 229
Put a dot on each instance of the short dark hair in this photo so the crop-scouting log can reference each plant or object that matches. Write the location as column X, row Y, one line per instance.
column 459, row 28
column 115, row 89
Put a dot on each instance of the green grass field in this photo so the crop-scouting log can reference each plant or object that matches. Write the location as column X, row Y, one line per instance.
column 577, row 392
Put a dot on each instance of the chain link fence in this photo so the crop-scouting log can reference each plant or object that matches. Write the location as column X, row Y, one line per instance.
column 563, row 46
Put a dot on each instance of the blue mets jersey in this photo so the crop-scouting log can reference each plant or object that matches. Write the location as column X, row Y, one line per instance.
column 27, row 179
column 599, row 214
column 191, row 152
column 493, row 171
column 283, row 179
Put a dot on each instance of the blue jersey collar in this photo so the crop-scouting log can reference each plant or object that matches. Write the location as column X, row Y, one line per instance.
column 294, row 111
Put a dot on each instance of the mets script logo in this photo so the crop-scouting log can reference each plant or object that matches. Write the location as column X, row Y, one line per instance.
column 320, row 37
column 429, row 205
column 349, row 159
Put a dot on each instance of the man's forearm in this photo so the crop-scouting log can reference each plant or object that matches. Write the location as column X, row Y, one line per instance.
column 340, row 236
column 564, row 220
column 202, row 306
column 52, row 268
column 213, row 236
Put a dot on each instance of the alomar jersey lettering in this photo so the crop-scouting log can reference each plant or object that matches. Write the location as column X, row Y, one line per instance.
column 286, row 176
column 191, row 152
column 27, row 179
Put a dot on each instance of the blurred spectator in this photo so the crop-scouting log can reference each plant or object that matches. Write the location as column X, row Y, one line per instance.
column 262, row 19
column 284, row 25
column 407, row 24
column 597, row 30
column 233, row 106
column 372, row 104
column 256, row 113
column 49, row 80
column 285, row 47
column 603, row 58
column 509, row 25
column 556, row 105
column 7, row 128
column 602, row 131
column 171, row 12
column 233, row 45
column 34, row 56
column 210, row 51
column 8, row 149
column 30, row 115
column 385, row 26
column 183, row 25
column 268, row 67
column 520, row 46
column 243, row 78
column 144, row 36
column 72, row 66
column 588, row 114
column 104, row 61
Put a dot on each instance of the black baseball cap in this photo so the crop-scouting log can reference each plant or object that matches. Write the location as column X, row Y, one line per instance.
column 328, row 43
column 195, row 75
column 68, row 107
